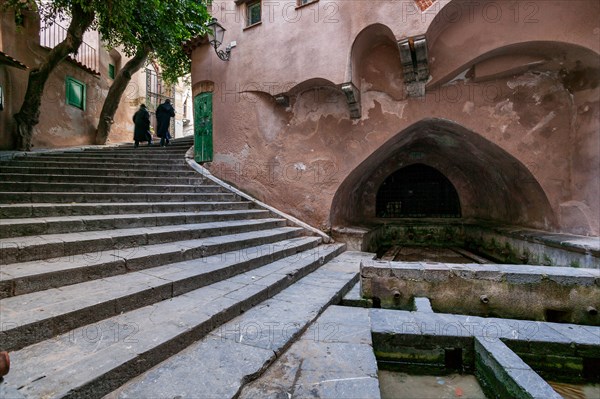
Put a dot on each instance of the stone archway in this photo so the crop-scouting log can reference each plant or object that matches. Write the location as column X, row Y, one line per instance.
column 492, row 184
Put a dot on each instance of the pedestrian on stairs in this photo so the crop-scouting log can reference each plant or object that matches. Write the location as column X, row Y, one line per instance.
column 141, row 121
column 164, row 113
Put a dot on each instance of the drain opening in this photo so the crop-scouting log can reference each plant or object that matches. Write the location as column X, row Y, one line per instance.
column 453, row 359
column 557, row 316
column 591, row 369
column 376, row 302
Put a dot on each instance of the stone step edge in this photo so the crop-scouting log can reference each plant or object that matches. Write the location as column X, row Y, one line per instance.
column 103, row 162
column 21, row 335
column 98, row 171
column 15, row 252
column 25, row 197
column 24, row 227
column 90, row 177
column 80, row 150
column 119, row 208
column 113, row 378
column 25, row 281
column 104, row 186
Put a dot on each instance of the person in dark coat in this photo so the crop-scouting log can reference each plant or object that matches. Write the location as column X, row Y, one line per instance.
column 164, row 113
column 141, row 120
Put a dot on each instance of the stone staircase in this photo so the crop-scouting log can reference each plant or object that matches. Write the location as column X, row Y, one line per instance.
column 117, row 262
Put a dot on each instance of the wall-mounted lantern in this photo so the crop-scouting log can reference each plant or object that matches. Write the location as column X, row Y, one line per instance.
column 216, row 33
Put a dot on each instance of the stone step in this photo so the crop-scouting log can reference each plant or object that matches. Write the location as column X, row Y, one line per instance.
column 73, row 197
column 142, row 149
column 27, row 277
column 156, row 155
column 108, row 188
column 172, row 145
column 56, row 311
column 219, row 365
column 10, row 211
column 24, row 249
column 114, row 164
column 132, row 172
column 92, row 360
column 15, row 177
column 73, row 224
column 89, row 159
column 154, row 149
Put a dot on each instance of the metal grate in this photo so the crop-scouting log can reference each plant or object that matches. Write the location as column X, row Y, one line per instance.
column 417, row 191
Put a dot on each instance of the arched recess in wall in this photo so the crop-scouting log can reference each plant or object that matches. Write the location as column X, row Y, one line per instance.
column 375, row 60
column 491, row 184
column 284, row 93
column 315, row 96
column 464, row 30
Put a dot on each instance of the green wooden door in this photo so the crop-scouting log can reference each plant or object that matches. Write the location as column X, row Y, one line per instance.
column 203, row 141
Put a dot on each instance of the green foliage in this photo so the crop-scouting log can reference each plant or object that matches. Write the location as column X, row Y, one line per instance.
column 161, row 25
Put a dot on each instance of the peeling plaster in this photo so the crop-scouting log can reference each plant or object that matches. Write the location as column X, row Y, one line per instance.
column 468, row 107
column 543, row 122
column 300, row 167
column 528, row 79
column 387, row 103
column 461, row 77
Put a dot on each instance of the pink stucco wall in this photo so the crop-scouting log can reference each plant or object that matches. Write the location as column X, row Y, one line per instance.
column 510, row 114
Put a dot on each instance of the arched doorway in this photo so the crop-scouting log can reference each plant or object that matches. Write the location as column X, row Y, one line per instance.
column 417, row 190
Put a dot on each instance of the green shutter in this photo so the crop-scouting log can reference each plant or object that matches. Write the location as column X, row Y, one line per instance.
column 75, row 93
column 111, row 71
column 203, row 141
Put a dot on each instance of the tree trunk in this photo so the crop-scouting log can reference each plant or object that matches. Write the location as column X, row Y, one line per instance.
column 29, row 114
column 111, row 103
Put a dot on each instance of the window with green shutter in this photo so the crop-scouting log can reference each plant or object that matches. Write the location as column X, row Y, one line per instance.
column 75, row 93
column 111, row 71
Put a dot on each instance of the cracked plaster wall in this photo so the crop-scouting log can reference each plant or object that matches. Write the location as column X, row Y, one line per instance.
column 531, row 103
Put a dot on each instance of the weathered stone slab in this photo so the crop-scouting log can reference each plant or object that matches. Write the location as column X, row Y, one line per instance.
column 513, row 378
column 343, row 366
column 259, row 334
column 509, row 291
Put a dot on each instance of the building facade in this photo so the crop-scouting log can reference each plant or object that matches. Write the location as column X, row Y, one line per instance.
column 75, row 92
column 357, row 113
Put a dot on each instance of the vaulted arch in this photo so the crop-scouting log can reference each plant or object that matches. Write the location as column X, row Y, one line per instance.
column 492, row 184
column 465, row 32
column 368, row 39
